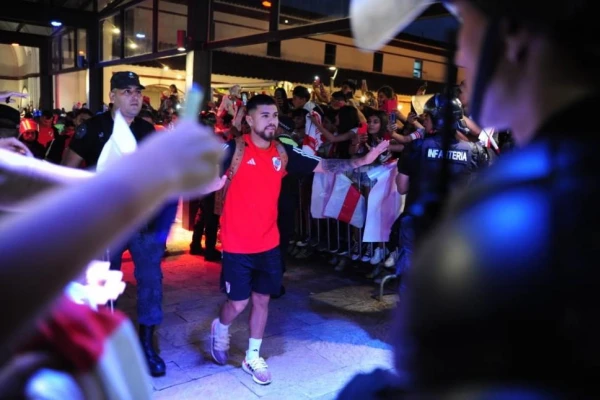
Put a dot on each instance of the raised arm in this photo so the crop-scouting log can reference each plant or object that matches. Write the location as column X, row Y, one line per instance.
column 72, row 226
column 335, row 165
column 22, row 178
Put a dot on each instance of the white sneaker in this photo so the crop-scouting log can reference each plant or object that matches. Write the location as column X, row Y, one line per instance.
column 259, row 370
column 219, row 344
column 379, row 256
column 392, row 259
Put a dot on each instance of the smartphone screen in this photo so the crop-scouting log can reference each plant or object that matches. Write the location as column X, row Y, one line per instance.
column 392, row 117
column 244, row 98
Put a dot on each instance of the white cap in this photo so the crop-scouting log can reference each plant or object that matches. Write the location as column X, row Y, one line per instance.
column 374, row 24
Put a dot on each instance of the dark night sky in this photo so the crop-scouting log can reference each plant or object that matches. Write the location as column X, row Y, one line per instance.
column 431, row 28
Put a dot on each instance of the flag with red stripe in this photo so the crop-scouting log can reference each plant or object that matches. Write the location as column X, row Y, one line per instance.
column 345, row 203
column 313, row 139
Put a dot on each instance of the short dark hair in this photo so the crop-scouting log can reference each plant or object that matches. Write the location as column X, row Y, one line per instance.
column 387, row 91
column 299, row 112
column 339, row 96
column 351, row 84
column 84, row 111
column 302, row 92
column 259, row 100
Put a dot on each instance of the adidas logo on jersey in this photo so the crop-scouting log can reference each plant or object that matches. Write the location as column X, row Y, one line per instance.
column 251, row 162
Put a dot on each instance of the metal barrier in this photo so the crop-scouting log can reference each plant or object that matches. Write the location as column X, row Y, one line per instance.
column 343, row 242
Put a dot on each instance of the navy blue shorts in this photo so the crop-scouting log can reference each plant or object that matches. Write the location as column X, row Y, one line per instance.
column 243, row 274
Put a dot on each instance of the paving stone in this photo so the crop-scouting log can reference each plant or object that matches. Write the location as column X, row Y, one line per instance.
column 322, row 385
column 171, row 318
column 328, row 396
column 288, row 370
column 174, row 376
column 290, row 393
column 192, row 332
column 222, row 386
column 325, row 330
column 349, row 354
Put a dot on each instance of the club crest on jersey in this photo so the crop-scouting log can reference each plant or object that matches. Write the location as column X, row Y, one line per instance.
column 277, row 163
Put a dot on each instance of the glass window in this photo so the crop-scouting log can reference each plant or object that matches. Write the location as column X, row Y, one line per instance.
column 81, row 48
column 377, row 62
column 138, row 29
column 172, row 16
column 111, row 39
column 330, row 54
column 55, row 54
column 418, row 69
column 68, row 50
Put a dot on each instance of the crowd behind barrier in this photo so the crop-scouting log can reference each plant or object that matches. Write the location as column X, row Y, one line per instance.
column 350, row 218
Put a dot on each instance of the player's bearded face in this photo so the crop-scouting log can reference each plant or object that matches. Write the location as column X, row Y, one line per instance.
column 265, row 121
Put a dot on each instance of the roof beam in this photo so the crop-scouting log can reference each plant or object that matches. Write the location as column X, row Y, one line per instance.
column 23, row 39
column 337, row 25
column 42, row 14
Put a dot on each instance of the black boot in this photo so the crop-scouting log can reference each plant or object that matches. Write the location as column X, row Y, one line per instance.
column 212, row 255
column 196, row 250
column 155, row 363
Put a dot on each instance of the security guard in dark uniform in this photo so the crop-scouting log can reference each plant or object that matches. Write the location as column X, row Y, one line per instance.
column 523, row 323
column 148, row 244
column 421, row 163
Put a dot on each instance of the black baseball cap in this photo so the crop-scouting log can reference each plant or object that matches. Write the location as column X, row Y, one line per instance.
column 286, row 123
column 124, row 79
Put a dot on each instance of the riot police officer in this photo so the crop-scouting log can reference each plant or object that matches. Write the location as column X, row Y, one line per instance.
column 420, row 165
column 523, row 323
column 147, row 246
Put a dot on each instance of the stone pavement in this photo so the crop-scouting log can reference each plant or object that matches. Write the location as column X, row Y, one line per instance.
column 325, row 330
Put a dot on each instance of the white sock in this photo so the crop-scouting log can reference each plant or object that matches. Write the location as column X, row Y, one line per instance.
column 253, row 349
column 222, row 329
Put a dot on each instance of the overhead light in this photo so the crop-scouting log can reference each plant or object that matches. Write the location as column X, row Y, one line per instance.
column 286, row 21
column 181, row 49
column 133, row 46
column 15, row 44
column 56, row 23
column 140, row 35
column 266, row 4
column 116, row 30
column 165, row 68
column 332, row 68
column 179, row 77
column 81, row 53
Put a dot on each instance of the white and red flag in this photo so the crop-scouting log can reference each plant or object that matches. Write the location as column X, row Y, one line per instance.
column 383, row 205
column 345, row 203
